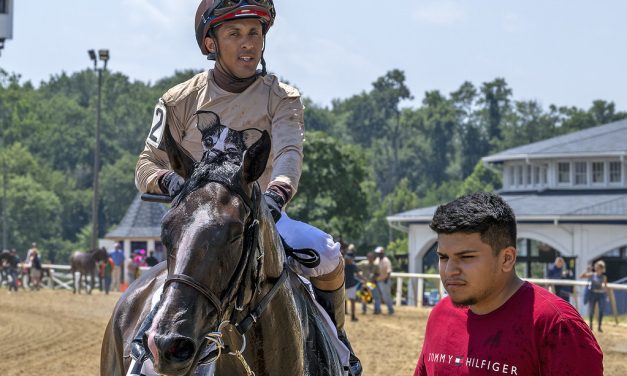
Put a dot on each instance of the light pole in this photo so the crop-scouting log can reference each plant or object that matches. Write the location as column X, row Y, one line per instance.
column 104, row 57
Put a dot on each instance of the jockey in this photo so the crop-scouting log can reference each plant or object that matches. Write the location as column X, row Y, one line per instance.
column 233, row 32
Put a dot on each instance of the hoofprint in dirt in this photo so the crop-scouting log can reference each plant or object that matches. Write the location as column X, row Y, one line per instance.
column 57, row 333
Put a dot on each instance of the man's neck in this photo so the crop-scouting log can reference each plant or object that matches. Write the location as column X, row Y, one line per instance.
column 499, row 297
column 228, row 82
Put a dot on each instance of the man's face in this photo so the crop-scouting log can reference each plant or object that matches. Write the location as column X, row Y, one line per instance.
column 469, row 270
column 239, row 43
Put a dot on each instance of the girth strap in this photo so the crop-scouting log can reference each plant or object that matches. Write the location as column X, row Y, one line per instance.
column 200, row 288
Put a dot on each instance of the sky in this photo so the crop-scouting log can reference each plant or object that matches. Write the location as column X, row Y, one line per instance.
column 563, row 52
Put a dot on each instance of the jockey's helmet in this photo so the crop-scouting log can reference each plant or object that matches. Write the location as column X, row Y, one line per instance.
column 211, row 13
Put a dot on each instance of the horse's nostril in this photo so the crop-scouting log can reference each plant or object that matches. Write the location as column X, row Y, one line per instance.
column 179, row 350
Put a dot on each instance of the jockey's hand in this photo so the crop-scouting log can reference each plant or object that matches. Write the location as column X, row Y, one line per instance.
column 171, row 183
column 275, row 204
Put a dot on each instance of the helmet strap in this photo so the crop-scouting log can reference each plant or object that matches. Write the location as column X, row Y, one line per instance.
column 264, row 72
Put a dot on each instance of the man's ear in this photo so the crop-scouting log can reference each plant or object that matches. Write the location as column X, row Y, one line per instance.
column 255, row 159
column 508, row 258
column 210, row 44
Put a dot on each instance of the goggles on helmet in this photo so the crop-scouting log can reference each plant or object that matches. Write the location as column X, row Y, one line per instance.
column 230, row 9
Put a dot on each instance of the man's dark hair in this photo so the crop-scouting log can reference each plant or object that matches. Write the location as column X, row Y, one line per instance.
column 482, row 212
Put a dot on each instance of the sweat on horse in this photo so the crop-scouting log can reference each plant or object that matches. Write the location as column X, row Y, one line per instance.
column 228, row 303
column 85, row 264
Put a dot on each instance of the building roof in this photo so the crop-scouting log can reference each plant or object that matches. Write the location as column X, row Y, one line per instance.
column 142, row 220
column 550, row 207
column 604, row 140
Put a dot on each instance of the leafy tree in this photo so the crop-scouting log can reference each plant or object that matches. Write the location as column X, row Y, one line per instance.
column 330, row 193
column 496, row 103
column 117, row 188
column 481, row 179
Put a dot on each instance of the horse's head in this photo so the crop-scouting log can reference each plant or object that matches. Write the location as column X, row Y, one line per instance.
column 209, row 233
column 100, row 254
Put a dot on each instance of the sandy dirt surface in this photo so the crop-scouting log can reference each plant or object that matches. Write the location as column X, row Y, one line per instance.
column 57, row 333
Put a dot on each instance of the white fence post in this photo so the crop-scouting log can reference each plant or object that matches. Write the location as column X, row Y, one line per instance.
column 399, row 290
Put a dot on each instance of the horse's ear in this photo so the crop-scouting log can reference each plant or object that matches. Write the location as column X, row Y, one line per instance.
column 256, row 158
column 181, row 162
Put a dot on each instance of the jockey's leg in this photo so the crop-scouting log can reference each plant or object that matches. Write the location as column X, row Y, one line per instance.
column 330, row 294
column 327, row 277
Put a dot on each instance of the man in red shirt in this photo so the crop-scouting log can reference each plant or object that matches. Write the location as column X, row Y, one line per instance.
column 492, row 322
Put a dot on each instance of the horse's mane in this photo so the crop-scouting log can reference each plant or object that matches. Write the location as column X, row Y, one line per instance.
column 221, row 166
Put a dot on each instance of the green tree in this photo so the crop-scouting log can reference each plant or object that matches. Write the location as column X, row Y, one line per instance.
column 330, row 193
column 482, row 179
column 118, row 188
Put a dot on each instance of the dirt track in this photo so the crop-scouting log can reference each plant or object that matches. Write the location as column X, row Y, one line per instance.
column 57, row 333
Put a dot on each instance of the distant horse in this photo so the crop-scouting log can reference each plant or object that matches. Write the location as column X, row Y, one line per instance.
column 225, row 265
column 85, row 264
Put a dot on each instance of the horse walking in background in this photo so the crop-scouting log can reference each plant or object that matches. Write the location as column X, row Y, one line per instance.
column 85, row 264
column 229, row 304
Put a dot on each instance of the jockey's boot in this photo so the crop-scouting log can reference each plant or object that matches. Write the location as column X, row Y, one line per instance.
column 333, row 304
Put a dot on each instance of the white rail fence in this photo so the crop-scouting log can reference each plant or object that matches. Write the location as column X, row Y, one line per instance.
column 416, row 282
column 58, row 276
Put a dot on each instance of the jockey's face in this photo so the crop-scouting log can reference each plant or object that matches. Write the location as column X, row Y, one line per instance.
column 239, row 44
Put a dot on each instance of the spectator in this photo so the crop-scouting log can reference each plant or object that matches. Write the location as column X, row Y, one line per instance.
column 14, row 260
column 598, row 287
column 35, row 270
column 352, row 276
column 151, row 260
column 117, row 255
column 559, row 270
column 106, row 272
column 492, row 322
column 132, row 269
column 26, row 269
column 369, row 271
column 384, row 281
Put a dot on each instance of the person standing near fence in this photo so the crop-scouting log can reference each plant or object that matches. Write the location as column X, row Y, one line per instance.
column 598, row 289
column 559, row 270
column 369, row 271
column 384, row 281
column 117, row 255
column 492, row 322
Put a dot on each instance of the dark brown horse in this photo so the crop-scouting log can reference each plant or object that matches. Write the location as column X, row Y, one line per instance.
column 225, row 265
column 85, row 264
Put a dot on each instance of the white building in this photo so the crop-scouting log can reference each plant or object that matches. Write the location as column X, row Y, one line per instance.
column 569, row 194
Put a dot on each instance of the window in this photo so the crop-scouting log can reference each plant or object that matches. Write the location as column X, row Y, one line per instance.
column 598, row 172
column 536, row 175
column 581, row 173
column 615, row 172
column 563, row 172
column 3, row 7
column 528, row 174
column 519, row 177
column 510, row 177
column 544, row 175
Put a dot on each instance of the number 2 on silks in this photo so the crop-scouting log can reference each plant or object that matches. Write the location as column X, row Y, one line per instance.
column 158, row 124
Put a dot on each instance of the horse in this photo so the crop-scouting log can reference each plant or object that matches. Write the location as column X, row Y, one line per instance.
column 225, row 264
column 85, row 264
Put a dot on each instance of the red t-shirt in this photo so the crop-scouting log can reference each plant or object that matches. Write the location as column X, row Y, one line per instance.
column 533, row 333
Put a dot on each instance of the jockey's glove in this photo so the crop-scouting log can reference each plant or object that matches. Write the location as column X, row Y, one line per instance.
column 275, row 203
column 171, row 183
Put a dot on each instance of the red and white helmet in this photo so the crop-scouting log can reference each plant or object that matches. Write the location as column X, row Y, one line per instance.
column 211, row 13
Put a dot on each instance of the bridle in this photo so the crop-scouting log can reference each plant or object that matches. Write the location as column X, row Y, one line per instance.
column 235, row 296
